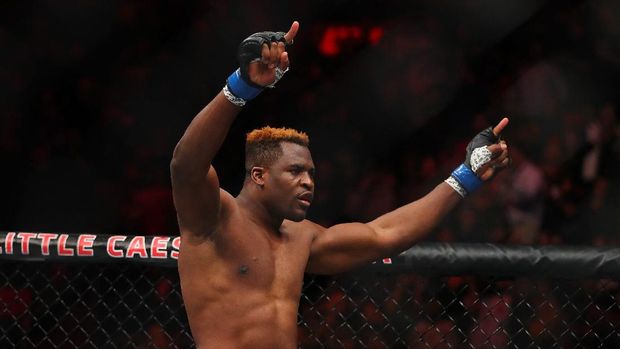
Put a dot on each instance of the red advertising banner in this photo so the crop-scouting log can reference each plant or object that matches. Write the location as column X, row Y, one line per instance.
column 162, row 250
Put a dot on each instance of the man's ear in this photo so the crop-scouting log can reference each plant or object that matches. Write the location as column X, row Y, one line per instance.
column 257, row 174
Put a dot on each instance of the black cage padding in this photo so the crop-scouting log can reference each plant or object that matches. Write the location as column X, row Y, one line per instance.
column 441, row 259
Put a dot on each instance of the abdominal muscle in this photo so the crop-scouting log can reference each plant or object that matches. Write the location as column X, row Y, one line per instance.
column 226, row 310
column 247, row 323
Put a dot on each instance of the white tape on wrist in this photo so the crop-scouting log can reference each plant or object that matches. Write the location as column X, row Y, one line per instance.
column 240, row 102
column 456, row 186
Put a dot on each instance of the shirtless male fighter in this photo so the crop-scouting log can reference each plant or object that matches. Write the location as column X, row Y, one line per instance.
column 242, row 259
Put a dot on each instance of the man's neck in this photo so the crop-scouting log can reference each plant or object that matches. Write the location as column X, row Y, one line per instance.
column 257, row 212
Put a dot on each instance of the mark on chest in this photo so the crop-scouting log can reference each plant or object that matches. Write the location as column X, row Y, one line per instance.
column 243, row 269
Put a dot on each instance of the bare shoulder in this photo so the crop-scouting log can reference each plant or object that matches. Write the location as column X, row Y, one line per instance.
column 227, row 202
column 305, row 228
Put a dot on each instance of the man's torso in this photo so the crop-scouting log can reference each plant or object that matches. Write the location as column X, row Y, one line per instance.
column 241, row 286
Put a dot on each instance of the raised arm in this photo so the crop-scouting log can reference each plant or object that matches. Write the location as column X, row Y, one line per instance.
column 195, row 186
column 345, row 246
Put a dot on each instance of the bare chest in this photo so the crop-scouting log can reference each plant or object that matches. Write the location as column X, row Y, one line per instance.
column 273, row 264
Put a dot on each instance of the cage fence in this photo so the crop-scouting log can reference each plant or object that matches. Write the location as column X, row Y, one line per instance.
column 57, row 304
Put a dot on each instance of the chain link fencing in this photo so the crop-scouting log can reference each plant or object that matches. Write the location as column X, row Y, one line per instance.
column 58, row 305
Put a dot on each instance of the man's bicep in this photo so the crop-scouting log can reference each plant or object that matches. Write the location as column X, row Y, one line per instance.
column 342, row 247
column 198, row 202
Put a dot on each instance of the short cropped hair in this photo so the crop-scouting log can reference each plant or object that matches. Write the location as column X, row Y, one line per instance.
column 262, row 146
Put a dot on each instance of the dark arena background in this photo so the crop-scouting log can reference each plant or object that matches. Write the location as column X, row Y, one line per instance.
column 94, row 96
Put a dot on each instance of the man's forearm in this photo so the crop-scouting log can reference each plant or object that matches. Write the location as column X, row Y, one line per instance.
column 486, row 155
column 263, row 62
column 408, row 224
column 204, row 137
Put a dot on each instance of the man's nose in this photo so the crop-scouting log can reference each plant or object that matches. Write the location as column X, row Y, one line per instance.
column 307, row 181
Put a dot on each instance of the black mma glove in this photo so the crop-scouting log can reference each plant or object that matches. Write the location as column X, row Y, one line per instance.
column 464, row 179
column 239, row 88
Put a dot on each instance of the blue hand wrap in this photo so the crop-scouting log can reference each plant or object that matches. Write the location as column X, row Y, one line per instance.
column 240, row 88
column 467, row 178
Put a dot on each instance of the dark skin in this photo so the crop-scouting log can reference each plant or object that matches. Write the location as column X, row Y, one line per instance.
column 242, row 259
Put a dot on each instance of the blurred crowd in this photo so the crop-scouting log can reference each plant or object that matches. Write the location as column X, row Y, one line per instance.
column 413, row 311
column 390, row 97
column 95, row 95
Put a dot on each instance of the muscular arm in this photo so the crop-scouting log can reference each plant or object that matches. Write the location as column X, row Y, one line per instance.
column 195, row 186
column 345, row 246
column 194, row 181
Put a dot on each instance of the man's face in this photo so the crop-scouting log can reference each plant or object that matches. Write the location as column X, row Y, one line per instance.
column 289, row 184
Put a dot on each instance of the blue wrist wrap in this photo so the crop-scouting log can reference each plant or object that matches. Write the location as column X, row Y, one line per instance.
column 240, row 88
column 467, row 178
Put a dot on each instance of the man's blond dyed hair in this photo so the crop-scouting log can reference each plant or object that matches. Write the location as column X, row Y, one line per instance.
column 262, row 146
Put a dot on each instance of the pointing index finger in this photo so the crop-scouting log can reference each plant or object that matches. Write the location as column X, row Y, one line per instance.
column 500, row 126
column 290, row 35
